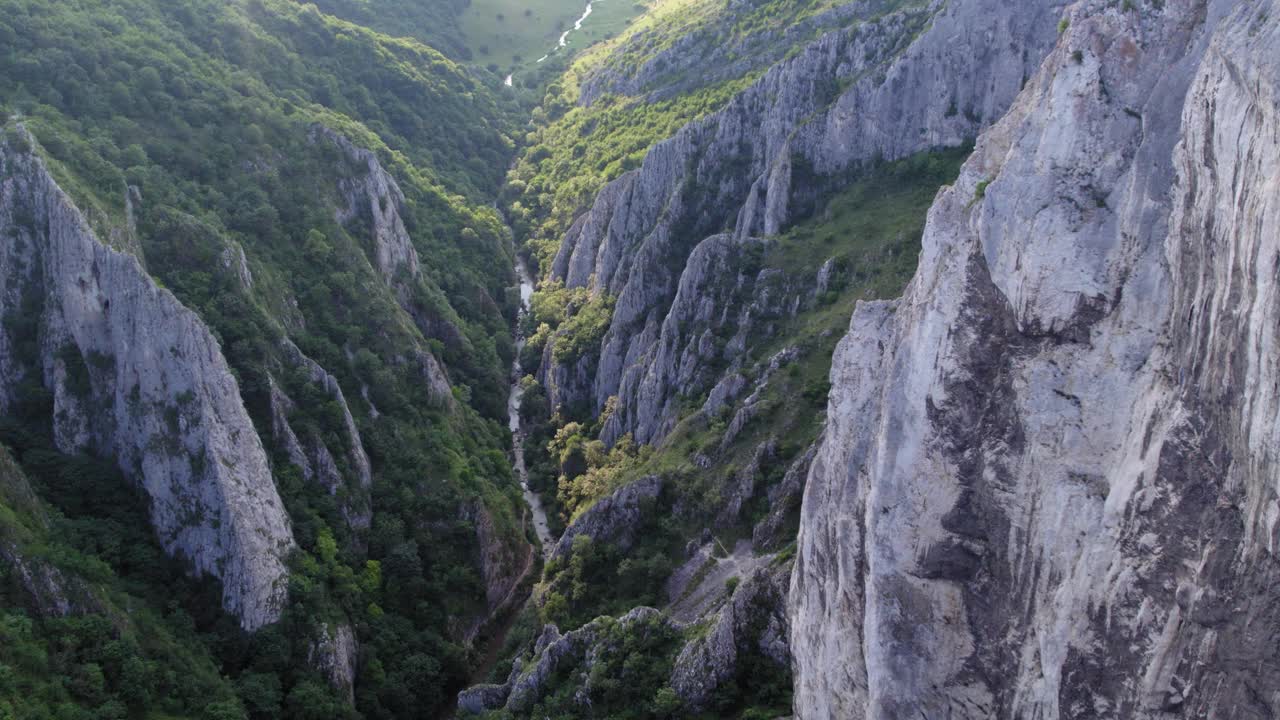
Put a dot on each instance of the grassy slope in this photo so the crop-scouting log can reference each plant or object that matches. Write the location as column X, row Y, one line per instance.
column 434, row 22
column 513, row 34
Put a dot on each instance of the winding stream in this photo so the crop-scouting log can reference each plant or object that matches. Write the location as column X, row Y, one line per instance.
column 513, row 416
column 506, row 618
column 560, row 45
column 577, row 25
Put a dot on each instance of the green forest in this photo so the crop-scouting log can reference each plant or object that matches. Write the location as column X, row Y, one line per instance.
column 208, row 110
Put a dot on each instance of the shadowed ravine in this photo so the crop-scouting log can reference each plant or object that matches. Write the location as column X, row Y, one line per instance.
column 513, row 414
column 505, row 616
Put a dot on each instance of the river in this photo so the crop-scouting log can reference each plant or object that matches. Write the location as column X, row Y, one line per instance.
column 509, row 611
column 513, row 415
column 508, row 81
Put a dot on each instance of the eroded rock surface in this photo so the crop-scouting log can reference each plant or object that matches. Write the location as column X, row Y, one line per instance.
column 137, row 377
column 1047, row 487
column 564, row 658
column 753, row 622
column 765, row 158
column 613, row 519
column 334, row 653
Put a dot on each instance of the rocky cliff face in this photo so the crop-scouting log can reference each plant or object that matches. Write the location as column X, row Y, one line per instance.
column 567, row 658
column 315, row 459
column 136, row 376
column 368, row 194
column 1047, row 487
column 761, row 161
column 753, row 622
column 614, row 519
column 334, row 653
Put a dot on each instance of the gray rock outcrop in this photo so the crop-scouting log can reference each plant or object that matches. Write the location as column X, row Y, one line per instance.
column 45, row 590
column 313, row 457
column 1047, row 486
column 502, row 566
column 740, row 487
column 762, row 160
column 370, row 193
column 776, row 528
column 753, row 622
column 137, row 377
column 561, row 658
column 614, row 519
column 479, row 699
column 367, row 193
column 334, row 654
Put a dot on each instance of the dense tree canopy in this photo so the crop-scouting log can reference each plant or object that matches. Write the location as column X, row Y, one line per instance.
column 207, row 110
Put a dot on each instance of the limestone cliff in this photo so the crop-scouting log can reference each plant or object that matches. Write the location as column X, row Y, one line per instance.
column 559, row 659
column 766, row 158
column 1047, row 487
column 752, row 622
column 135, row 376
column 315, row 459
column 369, row 194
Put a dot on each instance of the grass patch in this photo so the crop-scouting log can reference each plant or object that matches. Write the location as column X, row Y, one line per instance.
column 511, row 34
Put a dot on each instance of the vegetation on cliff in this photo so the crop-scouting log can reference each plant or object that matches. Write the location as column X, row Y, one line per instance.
column 209, row 111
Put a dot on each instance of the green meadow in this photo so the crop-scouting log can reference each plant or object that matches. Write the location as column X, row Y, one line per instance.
column 511, row 34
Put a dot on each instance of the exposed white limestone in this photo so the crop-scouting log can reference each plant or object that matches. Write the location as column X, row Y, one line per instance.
column 841, row 102
column 1047, row 488
column 138, row 377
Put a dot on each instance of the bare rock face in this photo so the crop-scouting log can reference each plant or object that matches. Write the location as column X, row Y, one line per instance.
column 233, row 259
column 311, row 455
column 137, row 377
column 614, row 519
column 480, row 699
column 371, row 193
column 562, row 658
column 282, row 432
column 724, row 301
column 741, row 486
column 502, row 566
column 951, row 68
column 368, row 193
column 771, row 532
column 45, row 590
column 754, row 621
column 1047, row 486
column 334, row 654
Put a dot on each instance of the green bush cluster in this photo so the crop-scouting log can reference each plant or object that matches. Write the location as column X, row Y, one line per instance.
column 596, row 579
column 577, row 150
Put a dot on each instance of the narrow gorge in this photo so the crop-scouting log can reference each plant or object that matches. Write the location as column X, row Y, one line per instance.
column 537, row 516
column 749, row 359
